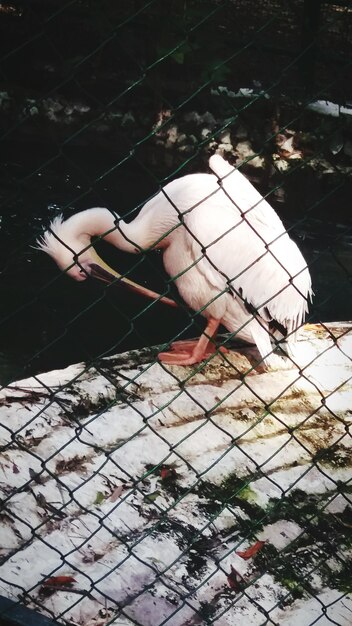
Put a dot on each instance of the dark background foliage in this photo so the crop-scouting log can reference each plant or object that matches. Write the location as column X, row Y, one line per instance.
column 102, row 102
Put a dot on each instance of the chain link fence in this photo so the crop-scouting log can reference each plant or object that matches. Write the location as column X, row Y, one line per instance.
column 136, row 490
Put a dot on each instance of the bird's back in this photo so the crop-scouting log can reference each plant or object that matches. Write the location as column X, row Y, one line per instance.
column 235, row 236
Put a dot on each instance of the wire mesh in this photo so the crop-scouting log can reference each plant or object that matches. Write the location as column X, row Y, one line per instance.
column 134, row 491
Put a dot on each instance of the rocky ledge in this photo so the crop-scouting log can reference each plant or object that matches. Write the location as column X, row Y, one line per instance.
column 135, row 493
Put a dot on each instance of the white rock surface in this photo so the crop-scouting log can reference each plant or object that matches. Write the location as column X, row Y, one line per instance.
column 142, row 482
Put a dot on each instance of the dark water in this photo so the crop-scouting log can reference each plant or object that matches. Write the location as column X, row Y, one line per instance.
column 48, row 321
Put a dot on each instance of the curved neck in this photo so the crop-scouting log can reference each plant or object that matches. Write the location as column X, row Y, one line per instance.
column 100, row 222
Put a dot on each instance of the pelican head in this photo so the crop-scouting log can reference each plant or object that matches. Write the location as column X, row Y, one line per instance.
column 69, row 244
column 73, row 253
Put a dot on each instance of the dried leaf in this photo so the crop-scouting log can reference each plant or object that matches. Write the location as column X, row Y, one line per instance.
column 15, row 468
column 116, row 493
column 47, row 506
column 59, row 581
column 235, row 580
column 34, row 476
column 247, row 554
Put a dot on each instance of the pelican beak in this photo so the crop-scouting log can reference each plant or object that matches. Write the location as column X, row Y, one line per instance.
column 99, row 269
column 106, row 275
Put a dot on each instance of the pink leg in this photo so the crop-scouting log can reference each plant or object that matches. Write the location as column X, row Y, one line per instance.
column 188, row 345
column 199, row 351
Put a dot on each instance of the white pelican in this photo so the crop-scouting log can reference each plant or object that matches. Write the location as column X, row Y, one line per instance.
column 223, row 245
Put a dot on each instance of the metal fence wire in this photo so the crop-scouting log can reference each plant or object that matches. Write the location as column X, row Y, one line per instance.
column 140, row 485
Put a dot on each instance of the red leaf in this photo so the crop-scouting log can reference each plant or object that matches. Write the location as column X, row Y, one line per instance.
column 247, row 554
column 167, row 472
column 58, row 581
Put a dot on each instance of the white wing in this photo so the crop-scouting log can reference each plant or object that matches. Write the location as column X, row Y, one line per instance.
column 245, row 242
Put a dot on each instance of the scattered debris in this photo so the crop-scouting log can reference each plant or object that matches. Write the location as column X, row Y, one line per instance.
column 222, row 461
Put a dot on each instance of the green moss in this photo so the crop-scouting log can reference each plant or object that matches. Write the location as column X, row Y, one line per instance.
column 342, row 487
column 336, row 455
column 206, row 611
column 231, row 489
column 311, row 514
column 343, row 578
column 168, row 479
column 317, row 551
column 196, row 564
column 311, row 562
column 296, row 590
column 297, row 506
column 234, row 494
column 86, row 406
column 247, row 494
